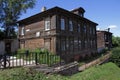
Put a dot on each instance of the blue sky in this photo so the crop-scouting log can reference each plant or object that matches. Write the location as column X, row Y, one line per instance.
column 104, row 12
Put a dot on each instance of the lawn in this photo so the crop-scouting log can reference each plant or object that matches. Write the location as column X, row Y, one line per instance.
column 108, row 71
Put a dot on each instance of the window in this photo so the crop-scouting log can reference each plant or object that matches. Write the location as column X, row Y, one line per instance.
column 47, row 24
column 70, row 25
column 71, row 44
column 94, row 43
column 22, row 31
column 67, row 43
column 78, row 27
column 79, row 43
column 91, row 43
column 85, row 28
column 105, row 36
column 27, row 30
column 37, row 34
column 85, row 43
column 62, row 24
column 93, row 31
column 90, row 30
column 63, row 45
column 75, row 44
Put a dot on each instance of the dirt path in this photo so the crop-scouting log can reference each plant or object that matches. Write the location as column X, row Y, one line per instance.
column 95, row 62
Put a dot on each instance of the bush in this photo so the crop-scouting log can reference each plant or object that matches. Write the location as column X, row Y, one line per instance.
column 21, row 50
column 115, row 57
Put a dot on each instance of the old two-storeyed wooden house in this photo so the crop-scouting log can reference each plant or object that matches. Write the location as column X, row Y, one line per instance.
column 104, row 40
column 65, row 33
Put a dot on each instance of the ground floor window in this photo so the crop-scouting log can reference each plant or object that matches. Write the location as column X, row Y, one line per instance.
column 63, row 45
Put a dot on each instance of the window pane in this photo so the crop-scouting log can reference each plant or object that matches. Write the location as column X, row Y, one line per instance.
column 63, row 45
column 85, row 28
column 70, row 26
column 47, row 24
column 22, row 31
column 37, row 34
column 78, row 27
column 62, row 24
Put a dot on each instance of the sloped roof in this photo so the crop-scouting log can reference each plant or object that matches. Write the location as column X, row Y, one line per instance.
column 52, row 10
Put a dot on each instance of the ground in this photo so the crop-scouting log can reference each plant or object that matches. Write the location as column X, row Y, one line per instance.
column 108, row 71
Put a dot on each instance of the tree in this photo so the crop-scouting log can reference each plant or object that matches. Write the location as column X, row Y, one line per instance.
column 115, row 41
column 10, row 11
column 1, row 35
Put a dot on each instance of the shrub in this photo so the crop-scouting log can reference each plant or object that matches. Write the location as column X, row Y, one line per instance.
column 21, row 50
column 115, row 57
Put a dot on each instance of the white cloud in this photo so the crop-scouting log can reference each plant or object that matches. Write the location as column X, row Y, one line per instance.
column 98, row 28
column 112, row 26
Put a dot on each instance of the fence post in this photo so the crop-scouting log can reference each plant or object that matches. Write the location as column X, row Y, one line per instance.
column 36, row 60
column 4, row 59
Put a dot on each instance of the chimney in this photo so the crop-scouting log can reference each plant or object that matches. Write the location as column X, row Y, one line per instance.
column 43, row 9
column 79, row 11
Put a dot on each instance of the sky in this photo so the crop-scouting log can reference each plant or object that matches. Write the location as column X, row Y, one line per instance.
column 104, row 12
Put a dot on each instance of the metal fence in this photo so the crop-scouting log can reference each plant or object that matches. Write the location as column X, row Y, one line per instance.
column 28, row 58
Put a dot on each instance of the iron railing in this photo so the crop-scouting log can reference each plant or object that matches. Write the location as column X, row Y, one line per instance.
column 29, row 58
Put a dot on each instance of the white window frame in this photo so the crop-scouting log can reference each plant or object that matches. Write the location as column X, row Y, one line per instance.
column 22, row 31
column 27, row 30
column 37, row 34
column 47, row 24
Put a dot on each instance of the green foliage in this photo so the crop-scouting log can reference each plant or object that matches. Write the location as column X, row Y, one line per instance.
column 1, row 35
column 21, row 51
column 108, row 71
column 116, row 41
column 21, row 74
column 43, row 56
column 115, row 57
column 10, row 11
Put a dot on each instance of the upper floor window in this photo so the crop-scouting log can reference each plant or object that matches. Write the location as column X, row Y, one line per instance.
column 93, row 30
column 105, row 36
column 23, row 31
column 78, row 27
column 27, row 30
column 37, row 34
column 47, row 24
column 90, row 30
column 62, row 22
column 70, row 25
column 85, row 29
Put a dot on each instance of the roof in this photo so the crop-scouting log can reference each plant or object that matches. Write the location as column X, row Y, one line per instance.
column 54, row 9
column 80, row 9
column 104, row 31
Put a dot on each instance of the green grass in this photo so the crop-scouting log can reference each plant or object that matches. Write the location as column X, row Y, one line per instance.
column 108, row 71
